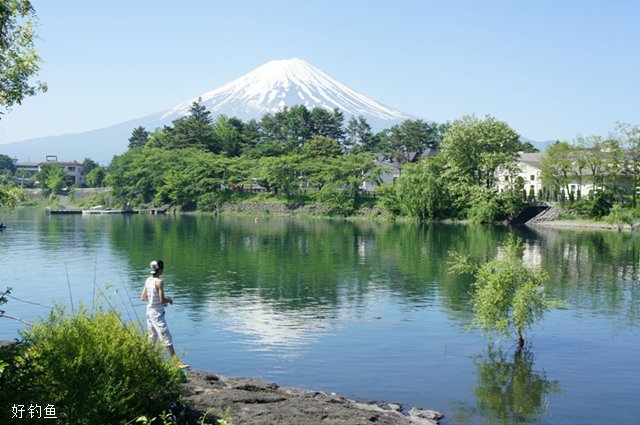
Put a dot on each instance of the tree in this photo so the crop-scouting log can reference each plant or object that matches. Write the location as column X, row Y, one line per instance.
column 139, row 137
column 298, row 126
column 9, row 196
column 96, row 177
column 321, row 147
column 507, row 296
column 322, row 123
column 19, row 60
column 557, row 167
column 53, row 178
column 359, row 134
column 228, row 132
column 88, row 165
column 281, row 173
column 630, row 140
column 411, row 138
column 192, row 131
column 421, row 191
column 7, row 166
column 474, row 149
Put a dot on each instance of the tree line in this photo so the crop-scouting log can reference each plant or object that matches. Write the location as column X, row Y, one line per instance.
column 199, row 162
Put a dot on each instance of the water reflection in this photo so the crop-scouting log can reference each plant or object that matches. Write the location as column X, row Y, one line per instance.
column 346, row 303
column 268, row 328
column 509, row 390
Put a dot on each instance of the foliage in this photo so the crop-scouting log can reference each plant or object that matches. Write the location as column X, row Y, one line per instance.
column 620, row 216
column 53, row 178
column 139, row 137
column 421, row 191
column 19, row 60
column 474, row 149
column 7, row 165
column 484, row 206
column 507, row 296
column 389, row 199
column 413, row 137
column 63, row 353
column 630, row 139
column 359, row 134
column 96, row 177
column 10, row 196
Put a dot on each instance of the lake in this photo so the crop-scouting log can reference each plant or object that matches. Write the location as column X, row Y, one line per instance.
column 364, row 309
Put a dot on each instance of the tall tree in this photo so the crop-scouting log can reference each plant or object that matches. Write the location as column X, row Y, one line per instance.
column 299, row 127
column 53, row 178
column 421, row 190
column 139, row 137
column 359, row 134
column 337, row 127
column 474, row 149
column 411, row 138
column 88, row 165
column 19, row 60
column 558, row 167
column 194, row 130
column 228, row 131
column 6, row 165
column 322, row 122
column 630, row 140
column 321, row 147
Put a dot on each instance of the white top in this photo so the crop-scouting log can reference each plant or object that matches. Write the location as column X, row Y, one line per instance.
column 153, row 295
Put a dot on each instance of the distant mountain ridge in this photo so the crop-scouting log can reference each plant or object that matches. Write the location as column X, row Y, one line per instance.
column 266, row 89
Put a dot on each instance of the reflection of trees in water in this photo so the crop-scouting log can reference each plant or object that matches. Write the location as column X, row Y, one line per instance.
column 598, row 271
column 296, row 263
column 509, row 390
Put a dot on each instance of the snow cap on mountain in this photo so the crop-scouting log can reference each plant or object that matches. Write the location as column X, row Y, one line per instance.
column 279, row 83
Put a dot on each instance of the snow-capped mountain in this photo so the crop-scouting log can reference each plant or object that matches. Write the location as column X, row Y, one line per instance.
column 279, row 83
column 268, row 88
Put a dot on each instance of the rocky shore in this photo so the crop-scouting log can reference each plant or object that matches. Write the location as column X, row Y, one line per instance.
column 251, row 401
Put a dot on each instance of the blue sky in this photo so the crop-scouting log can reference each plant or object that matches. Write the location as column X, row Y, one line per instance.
column 550, row 69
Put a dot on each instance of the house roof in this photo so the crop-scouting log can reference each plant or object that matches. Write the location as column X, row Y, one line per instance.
column 64, row 164
column 532, row 159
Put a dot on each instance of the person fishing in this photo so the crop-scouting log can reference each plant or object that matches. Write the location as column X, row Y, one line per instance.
column 153, row 293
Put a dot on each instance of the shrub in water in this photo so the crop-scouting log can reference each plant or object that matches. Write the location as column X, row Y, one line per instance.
column 92, row 367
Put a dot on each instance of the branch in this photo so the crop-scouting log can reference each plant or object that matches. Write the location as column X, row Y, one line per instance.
column 16, row 318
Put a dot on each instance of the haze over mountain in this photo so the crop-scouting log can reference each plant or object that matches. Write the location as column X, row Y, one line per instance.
column 266, row 89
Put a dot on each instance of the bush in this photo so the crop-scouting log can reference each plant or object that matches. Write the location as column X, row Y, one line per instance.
column 484, row 207
column 388, row 199
column 337, row 199
column 92, row 367
column 620, row 216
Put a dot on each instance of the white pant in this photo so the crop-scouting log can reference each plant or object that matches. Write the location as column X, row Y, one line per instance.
column 157, row 327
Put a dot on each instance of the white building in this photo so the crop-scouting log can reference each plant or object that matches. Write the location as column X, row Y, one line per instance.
column 74, row 169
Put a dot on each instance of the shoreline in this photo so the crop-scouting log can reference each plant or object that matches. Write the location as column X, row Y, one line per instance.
column 254, row 401
column 580, row 225
column 248, row 401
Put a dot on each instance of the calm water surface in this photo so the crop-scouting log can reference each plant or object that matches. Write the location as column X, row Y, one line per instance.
column 367, row 310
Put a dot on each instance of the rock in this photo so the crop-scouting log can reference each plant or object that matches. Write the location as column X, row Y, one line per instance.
column 424, row 416
column 251, row 401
